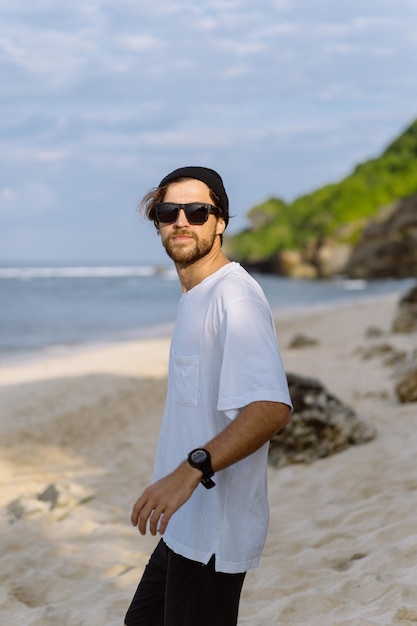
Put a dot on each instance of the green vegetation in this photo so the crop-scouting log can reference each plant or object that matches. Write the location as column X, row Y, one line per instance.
column 338, row 210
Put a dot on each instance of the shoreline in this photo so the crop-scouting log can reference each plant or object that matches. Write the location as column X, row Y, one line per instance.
column 342, row 543
column 286, row 296
column 24, row 357
column 163, row 331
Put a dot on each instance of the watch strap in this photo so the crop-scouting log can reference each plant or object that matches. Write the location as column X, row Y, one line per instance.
column 203, row 465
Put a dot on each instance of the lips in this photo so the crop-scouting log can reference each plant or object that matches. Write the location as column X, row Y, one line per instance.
column 177, row 237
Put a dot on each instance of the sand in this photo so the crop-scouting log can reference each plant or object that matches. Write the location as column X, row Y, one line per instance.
column 78, row 433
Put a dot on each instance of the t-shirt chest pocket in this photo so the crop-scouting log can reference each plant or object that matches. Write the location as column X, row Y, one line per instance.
column 185, row 375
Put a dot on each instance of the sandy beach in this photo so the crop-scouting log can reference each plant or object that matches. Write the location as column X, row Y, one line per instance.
column 78, row 434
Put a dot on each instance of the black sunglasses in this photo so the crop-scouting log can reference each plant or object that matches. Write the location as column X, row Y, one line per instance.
column 196, row 212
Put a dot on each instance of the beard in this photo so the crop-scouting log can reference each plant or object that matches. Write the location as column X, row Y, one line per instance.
column 184, row 255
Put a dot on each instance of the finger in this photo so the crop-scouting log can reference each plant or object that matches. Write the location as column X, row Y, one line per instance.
column 144, row 515
column 163, row 523
column 137, row 507
column 134, row 516
column 154, row 520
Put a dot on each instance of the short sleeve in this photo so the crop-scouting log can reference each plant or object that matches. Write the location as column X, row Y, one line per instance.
column 251, row 368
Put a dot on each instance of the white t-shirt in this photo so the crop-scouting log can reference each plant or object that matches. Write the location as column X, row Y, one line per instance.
column 223, row 356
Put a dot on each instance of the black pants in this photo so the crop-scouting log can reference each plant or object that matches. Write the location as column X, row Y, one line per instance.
column 175, row 591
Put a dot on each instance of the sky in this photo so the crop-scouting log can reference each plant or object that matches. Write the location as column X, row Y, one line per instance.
column 100, row 99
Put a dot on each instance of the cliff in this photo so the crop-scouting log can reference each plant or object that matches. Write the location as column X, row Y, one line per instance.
column 317, row 234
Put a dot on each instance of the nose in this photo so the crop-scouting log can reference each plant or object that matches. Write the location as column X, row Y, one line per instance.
column 181, row 219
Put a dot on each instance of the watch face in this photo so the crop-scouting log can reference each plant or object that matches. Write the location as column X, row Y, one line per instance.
column 199, row 456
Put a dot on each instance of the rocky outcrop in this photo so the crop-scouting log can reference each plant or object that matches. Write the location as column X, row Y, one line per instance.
column 321, row 425
column 388, row 247
column 322, row 258
column 405, row 320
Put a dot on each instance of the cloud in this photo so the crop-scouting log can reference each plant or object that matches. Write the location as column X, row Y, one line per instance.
column 54, row 55
column 242, row 48
column 31, row 201
column 99, row 98
column 26, row 153
column 138, row 43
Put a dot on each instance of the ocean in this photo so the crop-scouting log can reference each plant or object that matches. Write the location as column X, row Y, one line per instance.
column 57, row 307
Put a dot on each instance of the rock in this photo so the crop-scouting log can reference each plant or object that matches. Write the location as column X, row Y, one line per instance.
column 302, row 341
column 388, row 247
column 24, row 507
column 284, row 263
column 406, row 318
column 373, row 332
column 391, row 355
column 289, row 259
column 330, row 257
column 404, row 364
column 51, row 495
column 304, row 270
column 291, row 263
column 382, row 394
column 321, row 425
column 15, row 509
column 406, row 388
column 56, row 502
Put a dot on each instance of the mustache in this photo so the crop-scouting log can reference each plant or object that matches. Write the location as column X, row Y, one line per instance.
column 181, row 233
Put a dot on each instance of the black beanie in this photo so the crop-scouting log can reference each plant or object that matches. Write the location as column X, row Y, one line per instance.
column 208, row 176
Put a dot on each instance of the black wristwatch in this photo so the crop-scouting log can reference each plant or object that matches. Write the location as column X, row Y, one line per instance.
column 200, row 458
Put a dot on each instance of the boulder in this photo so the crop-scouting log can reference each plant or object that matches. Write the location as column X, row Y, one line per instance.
column 388, row 247
column 302, row 341
column 332, row 258
column 291, row 263
column 320, row 258
column 406, row 317
column 284, row 263
column 321, row 425
column 328, row 256
column 406, row 388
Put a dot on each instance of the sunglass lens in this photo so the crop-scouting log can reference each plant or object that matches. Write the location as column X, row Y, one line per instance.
column 196, row 214
column 167, row 213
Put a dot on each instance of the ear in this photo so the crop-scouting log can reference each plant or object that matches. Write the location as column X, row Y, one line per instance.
column 221, row 226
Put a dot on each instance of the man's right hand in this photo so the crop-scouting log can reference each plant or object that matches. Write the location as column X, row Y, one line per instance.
column 161, row 500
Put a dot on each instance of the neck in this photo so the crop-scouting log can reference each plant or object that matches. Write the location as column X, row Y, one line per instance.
column 192, row 275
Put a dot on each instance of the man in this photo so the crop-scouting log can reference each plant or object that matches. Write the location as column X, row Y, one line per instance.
column 227, row 396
